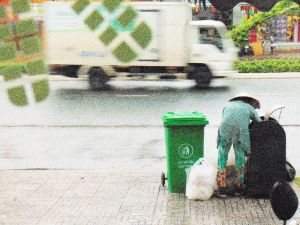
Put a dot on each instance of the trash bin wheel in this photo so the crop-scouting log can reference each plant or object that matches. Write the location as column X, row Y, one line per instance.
column 163, row 179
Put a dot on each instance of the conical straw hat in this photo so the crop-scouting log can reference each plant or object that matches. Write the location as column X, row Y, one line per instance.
column 245, row 95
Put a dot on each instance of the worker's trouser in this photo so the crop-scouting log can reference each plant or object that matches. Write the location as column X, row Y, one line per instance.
column 223, row 148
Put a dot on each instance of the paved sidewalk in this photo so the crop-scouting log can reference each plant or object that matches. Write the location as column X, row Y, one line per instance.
column 72, row 197
column 276, row 55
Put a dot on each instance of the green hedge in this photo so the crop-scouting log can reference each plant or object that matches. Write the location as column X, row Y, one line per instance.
column 268, row 65
column 22, row 65
column 297, row 180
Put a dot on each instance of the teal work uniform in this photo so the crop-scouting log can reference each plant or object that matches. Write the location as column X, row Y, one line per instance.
column 234, row 130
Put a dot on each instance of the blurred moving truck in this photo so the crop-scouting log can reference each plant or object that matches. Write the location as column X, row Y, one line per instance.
column 176, row 45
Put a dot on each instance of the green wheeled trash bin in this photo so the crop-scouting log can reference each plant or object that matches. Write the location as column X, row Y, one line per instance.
column 184, row 136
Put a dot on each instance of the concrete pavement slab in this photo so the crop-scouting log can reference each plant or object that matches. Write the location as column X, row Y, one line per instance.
column 94, row 197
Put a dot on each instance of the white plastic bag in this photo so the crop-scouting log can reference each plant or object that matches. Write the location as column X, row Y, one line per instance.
column 201, row 180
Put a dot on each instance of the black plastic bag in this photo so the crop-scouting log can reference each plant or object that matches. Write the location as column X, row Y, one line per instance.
column 284, row 200
column 290, row 171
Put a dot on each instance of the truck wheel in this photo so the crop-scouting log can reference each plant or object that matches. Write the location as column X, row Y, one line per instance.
column 202, row 76
column 97, row 78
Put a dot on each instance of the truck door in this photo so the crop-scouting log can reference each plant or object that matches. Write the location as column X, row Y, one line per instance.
column 210, row 46
column 210, row 36
column 207, row 44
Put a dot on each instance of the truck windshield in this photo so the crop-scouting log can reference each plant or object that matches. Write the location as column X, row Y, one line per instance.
column 210, row 35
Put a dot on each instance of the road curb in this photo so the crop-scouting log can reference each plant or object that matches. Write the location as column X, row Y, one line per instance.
column 233, row 77
column 265, row 76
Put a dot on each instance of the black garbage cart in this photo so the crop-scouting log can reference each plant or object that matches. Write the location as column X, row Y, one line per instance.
column 266, row 164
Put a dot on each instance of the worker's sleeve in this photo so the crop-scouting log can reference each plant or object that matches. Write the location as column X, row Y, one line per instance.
column 254, row 115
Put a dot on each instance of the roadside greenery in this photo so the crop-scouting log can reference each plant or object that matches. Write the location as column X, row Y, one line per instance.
column 297, row 180
column 240, row 33
column 2, row 66
column 268, row 65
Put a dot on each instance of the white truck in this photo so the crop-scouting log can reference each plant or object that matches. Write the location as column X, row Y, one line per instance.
column 199, row 49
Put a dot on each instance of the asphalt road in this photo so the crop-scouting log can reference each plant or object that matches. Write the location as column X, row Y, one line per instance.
column 121, row 127
column 140, row 103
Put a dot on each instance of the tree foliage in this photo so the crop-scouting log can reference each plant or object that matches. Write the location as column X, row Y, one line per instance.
column 240, row 33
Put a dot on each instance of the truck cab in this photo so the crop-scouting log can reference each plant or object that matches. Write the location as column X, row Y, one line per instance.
column 211, row 51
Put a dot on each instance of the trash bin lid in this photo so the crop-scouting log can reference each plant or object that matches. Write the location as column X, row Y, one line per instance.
column 184, row 118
